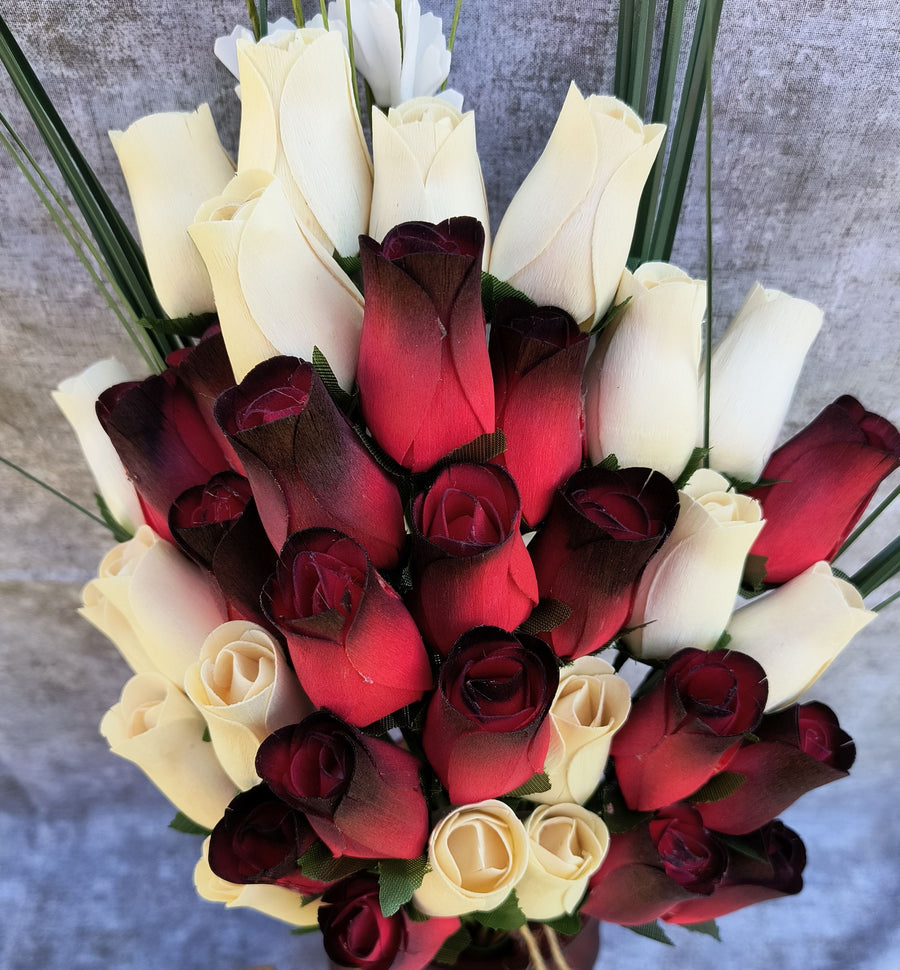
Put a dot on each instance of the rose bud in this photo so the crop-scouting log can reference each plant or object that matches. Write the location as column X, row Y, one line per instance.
column 603, row 527
column 203, row 514
column 260, row 840
column 356, row 933
column 424, row 374
column 354, row 789
column 353, row 643
column 469, row 562
column 825, row 476
column 305, row 463
column 688, row 727
column 537, row 357
column 486, row 731
column 798, row 749
column 690, row 854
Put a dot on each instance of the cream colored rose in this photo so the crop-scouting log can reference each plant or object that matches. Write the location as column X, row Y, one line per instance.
column 796, row 631
column 687, row 591
column 566, row 846
column 157, row 728
column 755, row 367
column 275, row 901
column 278, row 290
column 641, row 380
column 426, row 167
column 299, row 123
column 245, row 689
column 591, row 704
column 566, row 234
column 477, row 855
column 173, row 162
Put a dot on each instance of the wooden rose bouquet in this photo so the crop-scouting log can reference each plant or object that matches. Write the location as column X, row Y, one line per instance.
column 400, row 500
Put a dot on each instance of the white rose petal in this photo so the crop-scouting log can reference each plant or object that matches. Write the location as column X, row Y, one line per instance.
column 225, row 48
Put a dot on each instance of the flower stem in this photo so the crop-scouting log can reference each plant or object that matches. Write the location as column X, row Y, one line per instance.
column 887, row 602
column 299, row 19
column 53, row 491
column 453, row 25
column 353, row 80
column 324, row 8
column 867, row 521
column 879, row 569
column 253, row 14
column 707, row 377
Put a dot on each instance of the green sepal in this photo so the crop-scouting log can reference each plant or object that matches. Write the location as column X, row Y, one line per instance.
column 719, row 787
column 193, row 325
column 506, row 916
column 352, row 266
column 698, row 456
column 754, row 581
column 615, row 813
column 452, row 947
column 611, row 314
column 305, row 930
column 398, row 879
column 653, row 931
column 206, row 735
column 337, row 394
column 181, row 823
column 478, row 451
column 708, row 928
column 741, row 485
column 723, row 641
column 119, row 532
column 610, row 463
column 546, row 616
column 536, row 785
column 319, row 864
column 494, row 290
column 416, row 915
column 566, row 925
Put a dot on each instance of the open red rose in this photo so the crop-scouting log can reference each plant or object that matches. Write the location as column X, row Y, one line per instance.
column 825, row 476
column 424, row 375
column 690, row 854
column 487, row 730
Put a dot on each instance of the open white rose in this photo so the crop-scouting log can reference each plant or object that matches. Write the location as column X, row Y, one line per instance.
column 566, row 846
column 172, row 162
column 641, row 400
column 796, row 631
column 477, row 855
column 591, row 704
column 245, row 689
column 154, row 604
column 566, row 234
column 278, row 290
column 157, row 728
column 755, row 367
column 687, row 591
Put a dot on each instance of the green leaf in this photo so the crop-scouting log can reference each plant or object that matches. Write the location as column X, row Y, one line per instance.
column 611, row 314
column 415, row 915
column 719, row 787
column 305, row 930
column 709, row 928
column 743, row 846
column 536, row 785
column 494, row 290
column 566, row 925
column 452, row 947
column 546, row 616
column 398, row 879
column 698, row 456
column 742, row 485
column 318, row 863
column 206, row 735
column 193, row 325
column 119, row 532
column 181, row 823
column 723, row 641
column 610, row 463
column 653, row 931
column 507, row 916
column 479, row 450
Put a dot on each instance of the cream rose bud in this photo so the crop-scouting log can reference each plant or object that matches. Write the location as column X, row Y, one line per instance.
column 173, row 162
column 154, row 604
column 77, row 397
column 299, row 123
column 275, row 901
column 641, row 400
column 566, row 234
column 687, row 591
column 157, row 728
column 477, row 853
column 426, row 167
column 755, row 367
column 245, row 689
column 796, row 631
column 591, row 704
column 566, row 846
column 278, row 290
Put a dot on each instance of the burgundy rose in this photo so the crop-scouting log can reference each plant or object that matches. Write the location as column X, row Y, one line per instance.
column 688, row 727
column 825, row 477
column 469, row 562
column 201, row 515
column 537, row 358
column 487, row 730
column 690, row 854
column 603, row 527
column 354, row 645
column 306, row 464
column 362, row 796
column 424, row 374
column 798, row 749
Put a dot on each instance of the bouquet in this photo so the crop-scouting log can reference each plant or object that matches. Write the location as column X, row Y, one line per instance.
column 381, row 572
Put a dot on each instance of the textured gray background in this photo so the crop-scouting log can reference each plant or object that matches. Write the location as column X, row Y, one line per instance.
column 805, row 193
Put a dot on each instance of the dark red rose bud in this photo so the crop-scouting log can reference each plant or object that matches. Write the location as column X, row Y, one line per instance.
column 603, row 527
column 424, row 375
column 690, row 854
column 305, row 463
column 800, row 748
column 361, row 796
column 201, row 515
column 825, row 477
column 356, row 933
column 259, row 840
column 354, row 645
column 487, row 731
column 688, row 727
column 537, row 358
column 469, row 563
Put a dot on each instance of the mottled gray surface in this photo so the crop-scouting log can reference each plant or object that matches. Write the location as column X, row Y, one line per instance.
column 805, row 198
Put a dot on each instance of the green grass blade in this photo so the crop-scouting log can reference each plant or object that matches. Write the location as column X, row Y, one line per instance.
column 353, row 79
column 641, row 49
column 879, row 569
column 867, row 521
column 451, row 40
column 623, row 49
column 255, row 25
column 887, row 602
column 707, row 376
column 299, row 19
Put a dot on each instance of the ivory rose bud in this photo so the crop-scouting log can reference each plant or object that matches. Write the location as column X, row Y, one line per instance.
column 755, row 367
column 641, row 380
column 477, row 853
column 245, row 689
column 225, row 47
column 566, row 234
column 172, row 163
column 157, row 728
column 590, row 706
column 567, row 844
column 686, row 594
column 797, row 630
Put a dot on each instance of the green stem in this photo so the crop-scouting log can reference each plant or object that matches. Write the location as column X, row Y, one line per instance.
column 253, row 14
column 887, row 602
column 299, row 19
column 263, row 18
column 623, row 49
column 879, row 569
column 53, row 491
column 353, row 80
column 707, row 378
column 451, row 40
column 860, row 529
column 323, row 7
